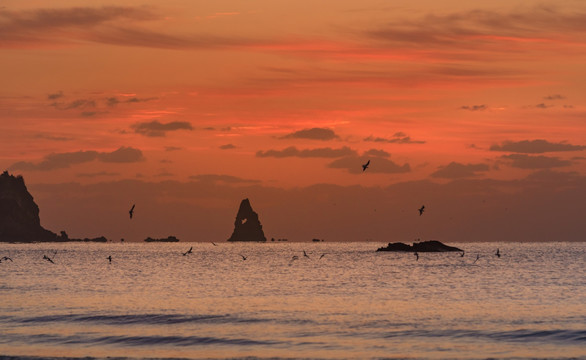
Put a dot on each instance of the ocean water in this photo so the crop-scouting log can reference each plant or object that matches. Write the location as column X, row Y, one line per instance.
column 353, row 303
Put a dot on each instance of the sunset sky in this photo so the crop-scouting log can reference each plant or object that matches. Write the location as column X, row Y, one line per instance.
column 474, row 108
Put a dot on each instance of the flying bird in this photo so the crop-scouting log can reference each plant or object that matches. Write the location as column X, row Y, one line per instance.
column 416, row 256
column 365, row 166
column 6, row 258
column 462, row 254
column 322, row 255
column 498, row 253
column 131, row 211
column 109, row 258
column 477, row 257
column 243, row 257
column 421, row 210
column 213, row 243
column 305, row 254
column 48, row 259
column 188, row 251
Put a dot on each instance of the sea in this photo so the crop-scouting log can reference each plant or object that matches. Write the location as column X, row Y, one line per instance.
column 341, row 301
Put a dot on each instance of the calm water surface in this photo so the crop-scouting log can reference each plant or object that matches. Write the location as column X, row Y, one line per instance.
column 354, row 303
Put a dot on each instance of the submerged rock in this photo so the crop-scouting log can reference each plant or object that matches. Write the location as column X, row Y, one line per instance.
column 247, row 227
column 424, row 246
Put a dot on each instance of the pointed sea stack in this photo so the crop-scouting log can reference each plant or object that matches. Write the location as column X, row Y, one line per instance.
column 247, row 227
column 19, row 214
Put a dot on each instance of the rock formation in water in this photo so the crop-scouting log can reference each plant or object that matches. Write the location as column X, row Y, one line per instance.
column 424, row 246
column 19, row 215
column 167, row 239
column 247, row 227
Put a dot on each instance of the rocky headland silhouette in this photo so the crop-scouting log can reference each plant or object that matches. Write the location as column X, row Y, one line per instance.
column 247, row 226
column 424, row 246
column 19, row 215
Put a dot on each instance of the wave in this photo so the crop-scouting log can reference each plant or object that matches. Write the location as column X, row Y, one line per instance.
column 520, row 335
column 138, row 319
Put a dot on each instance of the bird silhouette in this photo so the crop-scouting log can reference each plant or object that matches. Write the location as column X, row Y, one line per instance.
column 188, row 251
column 305, row 254
column 477, row 257
column 421, row 210
column 462, row 254
column 498, row 253
column 243, row 257
column 131, row 211
column 48, row 259
column 365, row 166
column 109, row 258
column 416, row 256
column 213, row 243
column 6, row 258
column 322, row 255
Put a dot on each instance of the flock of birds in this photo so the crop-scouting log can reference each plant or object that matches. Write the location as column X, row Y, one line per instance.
column 295, row 257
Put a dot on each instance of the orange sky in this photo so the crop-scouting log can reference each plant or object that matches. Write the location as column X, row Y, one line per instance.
column 256, row 98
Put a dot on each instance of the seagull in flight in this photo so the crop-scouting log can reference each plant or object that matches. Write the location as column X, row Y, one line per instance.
column 131, row 211
column 322, row 255
column 416, row 256
column 365, row 166
column 109, row 258
column 305, row 254
column 462, row 255
column 477, row 257
column 6, row 258
column 243, row 257
column 48, row 259
column 498, row 253
column 421, row 210
column 188, row 251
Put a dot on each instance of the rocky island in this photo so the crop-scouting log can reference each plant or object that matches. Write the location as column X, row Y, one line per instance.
column 247, row 226
column 167, row 239
column 424, row 246
column 19, row 215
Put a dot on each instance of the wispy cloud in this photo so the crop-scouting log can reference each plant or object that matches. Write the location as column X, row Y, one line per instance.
column 474, row 107
column 113, row 101
column 65, row 160
column 226, row 179
column 55, row 96
column 157, row 129
column 397, row 138
column 227, row 147
column 455, row 170
column 554, row 97
column 292, row 151
column 313, row 134
column 537, row 146
column 523, row 161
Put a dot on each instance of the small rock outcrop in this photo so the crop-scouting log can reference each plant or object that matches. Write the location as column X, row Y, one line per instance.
column 19, row 214
column 424, row 246
column 247, row 227
column 167, row 239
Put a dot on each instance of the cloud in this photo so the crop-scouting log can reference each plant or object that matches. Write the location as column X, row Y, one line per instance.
column 158, row 129
column 398, row 138
column 292, row 151
column 115, row 25
column 377, row 153
column 474, row 107
column 537, row 146
column 65, row 160
column 173, row 148
column 226, row 179
column 456, row 170
column 477, row 28
column 55, row 96
column 99, row 173
column 543, row 106
column 75, row 104
column 46, row 136
column 378, row 165
column 313, row 134
column 554, row 97
column 227, row 147
column 523, row 161
column 113, row 101
column 122, row 155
